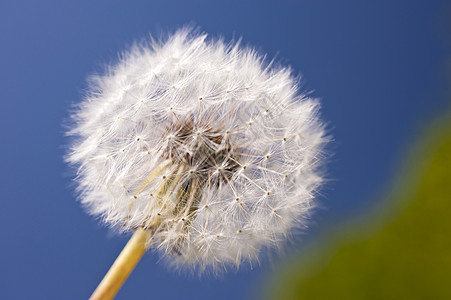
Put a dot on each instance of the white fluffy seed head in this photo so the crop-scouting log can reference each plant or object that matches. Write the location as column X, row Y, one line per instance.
column 201, row 142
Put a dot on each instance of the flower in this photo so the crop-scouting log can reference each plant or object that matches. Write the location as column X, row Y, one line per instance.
column 203, row 143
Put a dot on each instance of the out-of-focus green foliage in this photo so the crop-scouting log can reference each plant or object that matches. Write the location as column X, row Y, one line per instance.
column 401, row 252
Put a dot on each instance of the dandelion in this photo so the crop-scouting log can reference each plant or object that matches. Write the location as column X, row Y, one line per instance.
column 201, row 148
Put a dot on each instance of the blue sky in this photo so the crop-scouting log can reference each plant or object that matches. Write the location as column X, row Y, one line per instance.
column 378, row 67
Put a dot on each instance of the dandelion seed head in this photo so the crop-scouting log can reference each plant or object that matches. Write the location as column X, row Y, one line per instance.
column 202, row 143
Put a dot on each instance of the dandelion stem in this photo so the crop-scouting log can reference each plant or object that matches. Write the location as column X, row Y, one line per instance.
column 122, row 267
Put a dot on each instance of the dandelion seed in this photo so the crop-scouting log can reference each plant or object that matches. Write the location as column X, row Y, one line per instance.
column 151, row 166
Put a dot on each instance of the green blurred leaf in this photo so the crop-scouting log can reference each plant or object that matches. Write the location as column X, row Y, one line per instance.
column 401, row 252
